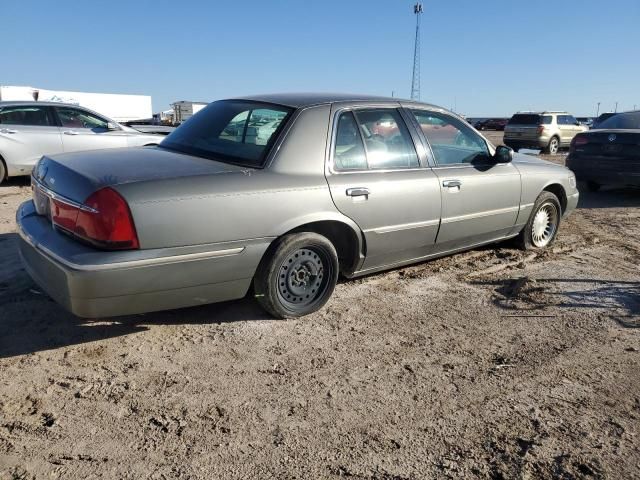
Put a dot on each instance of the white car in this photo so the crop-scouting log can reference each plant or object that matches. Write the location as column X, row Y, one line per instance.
column 29, row 130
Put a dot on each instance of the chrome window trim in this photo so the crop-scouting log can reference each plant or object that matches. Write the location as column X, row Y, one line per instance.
column 334, row 131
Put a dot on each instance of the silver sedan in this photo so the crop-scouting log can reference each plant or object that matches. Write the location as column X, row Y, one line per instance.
column 29, row 130
column 282, row 192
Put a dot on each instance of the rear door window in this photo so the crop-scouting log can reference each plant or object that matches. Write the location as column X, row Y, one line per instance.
column 38, row 116
column 373, row 139
column 349, row 149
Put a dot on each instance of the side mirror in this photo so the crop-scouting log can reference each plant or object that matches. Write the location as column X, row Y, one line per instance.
column 112, row 126
column 503, row 154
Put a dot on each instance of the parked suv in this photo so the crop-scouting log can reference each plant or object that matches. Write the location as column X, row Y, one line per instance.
column 547, row 131
column 29, row 130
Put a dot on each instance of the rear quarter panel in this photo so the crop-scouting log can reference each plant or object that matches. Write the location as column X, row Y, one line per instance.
column 249, row 204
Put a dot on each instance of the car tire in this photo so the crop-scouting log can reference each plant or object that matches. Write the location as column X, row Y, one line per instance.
column 3, row 172
column 515, row 149
column 593, row 186
column 553, row 147
column 543, row 224
column 297, row 275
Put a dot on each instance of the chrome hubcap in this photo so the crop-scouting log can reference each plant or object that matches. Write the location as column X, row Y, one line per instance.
column 553, row 147
column 544, row 225
column 300, row 278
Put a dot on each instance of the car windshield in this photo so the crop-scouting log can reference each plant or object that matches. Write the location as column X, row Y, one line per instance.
column 626, row 121
column 524, row 119
column 233, row 131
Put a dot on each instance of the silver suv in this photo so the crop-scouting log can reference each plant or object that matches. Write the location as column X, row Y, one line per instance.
column 29, row 130
column 547, row 131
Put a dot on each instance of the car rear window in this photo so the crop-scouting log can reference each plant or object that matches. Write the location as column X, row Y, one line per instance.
column 26, row 115
column 626, row 121
column 525, row 119
column 233, row 131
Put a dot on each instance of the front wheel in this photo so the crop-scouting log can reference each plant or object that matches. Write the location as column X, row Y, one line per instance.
column 543, row 224
column 3, row 172
column 297, row 275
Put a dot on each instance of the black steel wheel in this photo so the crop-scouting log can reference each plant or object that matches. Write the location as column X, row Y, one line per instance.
column 297, row 275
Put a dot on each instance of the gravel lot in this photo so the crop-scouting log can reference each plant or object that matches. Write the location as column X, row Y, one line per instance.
column 493, row 363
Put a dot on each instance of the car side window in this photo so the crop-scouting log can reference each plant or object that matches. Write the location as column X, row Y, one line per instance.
column 563, row 120
column 546, row 119
column 571, row 120
column 349, row 150
column 452, row 142
column 387, row 141
column 76, row 118
column 26, row 115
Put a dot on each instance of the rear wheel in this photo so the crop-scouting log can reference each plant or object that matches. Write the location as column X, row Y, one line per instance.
column 553, row 147
column 593, row 186
column 297, row 275
column 543, row 224
column 3, row 172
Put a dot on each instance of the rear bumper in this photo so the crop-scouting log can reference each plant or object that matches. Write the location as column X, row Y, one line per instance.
column 600, row 170
column 534, row 143
column 94, row 284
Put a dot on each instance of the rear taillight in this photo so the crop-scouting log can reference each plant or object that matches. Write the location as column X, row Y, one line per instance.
column 104, row 220
column 540, row 129
column 577, row 141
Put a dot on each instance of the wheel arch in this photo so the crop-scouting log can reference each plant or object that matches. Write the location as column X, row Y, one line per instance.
column 558, row 190
column 347, row 242
column 6, row 169
column 342, row 232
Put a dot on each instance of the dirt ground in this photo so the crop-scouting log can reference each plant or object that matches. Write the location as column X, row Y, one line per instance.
column 494, row 363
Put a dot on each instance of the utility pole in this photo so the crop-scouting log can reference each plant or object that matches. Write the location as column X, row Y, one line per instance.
column 616, row 110
column 415, row 81
column 598, row 111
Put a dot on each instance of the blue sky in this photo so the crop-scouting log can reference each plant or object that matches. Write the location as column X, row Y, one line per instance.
column 489, row 57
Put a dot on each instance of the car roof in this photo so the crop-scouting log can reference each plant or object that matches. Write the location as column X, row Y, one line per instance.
column 12, row 103
column 542, row 112
column 301, row 100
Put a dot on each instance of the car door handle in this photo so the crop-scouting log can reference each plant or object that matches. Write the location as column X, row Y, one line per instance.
column 70, row 132
column 8, row 130
column 357, row 192
column 452, row 183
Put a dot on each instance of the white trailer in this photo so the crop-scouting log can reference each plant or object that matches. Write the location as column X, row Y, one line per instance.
column 183, row 110
column 120, row 107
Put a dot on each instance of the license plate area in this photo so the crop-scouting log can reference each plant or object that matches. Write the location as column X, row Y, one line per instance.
column 611, row 148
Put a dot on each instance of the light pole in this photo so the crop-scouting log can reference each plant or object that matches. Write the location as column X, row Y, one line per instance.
column 616, row 110
column 598, row 111
column 415, row 80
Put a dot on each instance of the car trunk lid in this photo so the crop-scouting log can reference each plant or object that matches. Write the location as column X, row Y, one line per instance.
column 610, row 144
column 76, row 176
